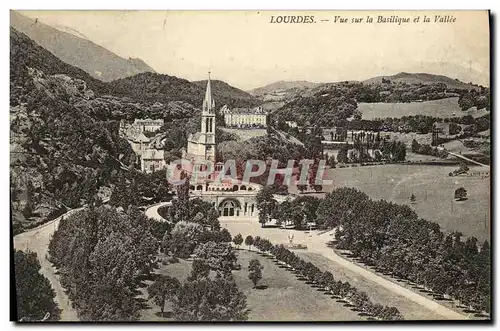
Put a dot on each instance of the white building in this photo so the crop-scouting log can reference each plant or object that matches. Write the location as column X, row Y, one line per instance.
column 148, row 156
column 148, row 124
column 244, row 117
column 152, row 160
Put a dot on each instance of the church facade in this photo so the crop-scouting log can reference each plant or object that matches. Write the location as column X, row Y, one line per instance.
column 201, row 145
column 232, row 199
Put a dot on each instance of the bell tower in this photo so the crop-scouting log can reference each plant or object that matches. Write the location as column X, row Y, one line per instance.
column 208, row 123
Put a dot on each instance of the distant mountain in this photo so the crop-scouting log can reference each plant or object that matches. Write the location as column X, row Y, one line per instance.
column 25, row 53
column 281, row 90
column 95, row 60
column 165, row 88
column 422, row 78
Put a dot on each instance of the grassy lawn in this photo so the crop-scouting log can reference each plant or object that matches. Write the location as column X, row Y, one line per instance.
column 285, row 298
column 433, row 189
column 438, row 108
column 280, row 297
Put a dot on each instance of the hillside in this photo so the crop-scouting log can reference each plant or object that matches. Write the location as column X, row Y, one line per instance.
column 164, row 88
column 422, row 78
column 79, row 52
column 282, row 86
column 282, row 90
column 226, row 91
column 64, row 142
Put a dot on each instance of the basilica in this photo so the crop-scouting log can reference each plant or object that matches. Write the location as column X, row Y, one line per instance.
column 232, row 198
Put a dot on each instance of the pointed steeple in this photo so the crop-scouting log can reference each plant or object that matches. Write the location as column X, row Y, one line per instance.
column 208, row 102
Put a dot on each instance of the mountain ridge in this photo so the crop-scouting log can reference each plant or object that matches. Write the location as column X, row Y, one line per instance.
column 94, row 59
column 422, row 78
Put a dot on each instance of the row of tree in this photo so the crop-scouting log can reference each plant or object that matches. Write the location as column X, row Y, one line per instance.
column 325, row 280
column 425, row 149
column 395, row 241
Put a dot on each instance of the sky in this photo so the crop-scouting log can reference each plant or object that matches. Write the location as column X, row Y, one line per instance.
column 247, row 51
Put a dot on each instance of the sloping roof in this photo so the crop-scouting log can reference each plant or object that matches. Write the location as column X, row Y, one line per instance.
column 141, row 138
column 195, row 137
column 152, row 154
column 249, row 111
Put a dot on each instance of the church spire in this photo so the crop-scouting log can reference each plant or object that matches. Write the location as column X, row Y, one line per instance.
column 208, row 102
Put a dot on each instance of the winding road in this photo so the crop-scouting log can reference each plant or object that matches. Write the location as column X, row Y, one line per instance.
column 467, row 159
column 37, row 240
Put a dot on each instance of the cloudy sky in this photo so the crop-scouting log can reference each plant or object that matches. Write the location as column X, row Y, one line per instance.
column 245, row 50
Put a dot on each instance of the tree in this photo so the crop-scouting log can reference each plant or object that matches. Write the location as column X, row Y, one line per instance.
column 219, row 257
column 463, row 168
column 284, row 211
column 35, row 296
column 184, row 238
column 249, row 241
column 265, row 204
column 210, row 300
column 332, row 162
column 162, row 289
column 302, row 187
column 255, row 271
column 415, row 146
column 199, row 269
column 342, row 155
column 238, row 240
column 460, row 194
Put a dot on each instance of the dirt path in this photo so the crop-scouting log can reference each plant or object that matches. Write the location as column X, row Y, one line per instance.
column 467, row 159
column 320, row 248
column 317, row 244
column 37, row 240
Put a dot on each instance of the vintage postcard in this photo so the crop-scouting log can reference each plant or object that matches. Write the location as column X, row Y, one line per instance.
column 212, row 166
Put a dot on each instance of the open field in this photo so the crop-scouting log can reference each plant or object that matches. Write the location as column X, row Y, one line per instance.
column 433, row 188
column 438, row 108
column 282, row 297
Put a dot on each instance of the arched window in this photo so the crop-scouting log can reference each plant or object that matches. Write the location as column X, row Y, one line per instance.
column 199, row 187
column 250, row 189
column 235, row 188
column 243, row 187
column 228, row 208
column 191, row 187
